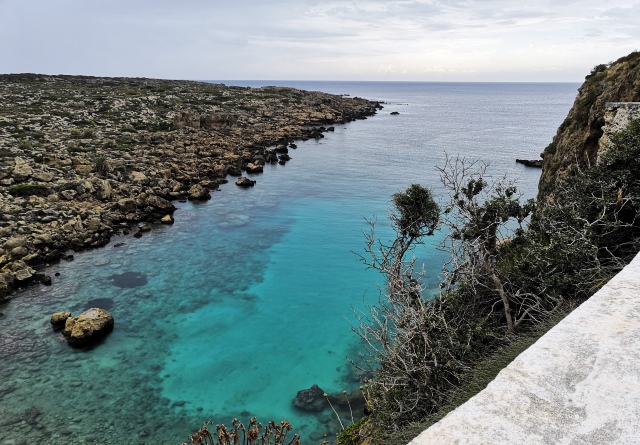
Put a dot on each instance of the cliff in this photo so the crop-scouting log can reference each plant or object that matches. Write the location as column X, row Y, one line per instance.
column 576, row 143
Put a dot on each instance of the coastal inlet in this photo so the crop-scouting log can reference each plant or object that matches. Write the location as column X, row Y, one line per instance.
column 84, row 158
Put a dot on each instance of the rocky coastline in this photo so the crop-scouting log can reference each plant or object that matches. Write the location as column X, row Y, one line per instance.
column 84, row 158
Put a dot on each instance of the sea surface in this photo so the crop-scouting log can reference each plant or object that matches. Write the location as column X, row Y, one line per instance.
column 250, row 297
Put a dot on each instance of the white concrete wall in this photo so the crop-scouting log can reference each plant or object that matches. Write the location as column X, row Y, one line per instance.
column 578, row 384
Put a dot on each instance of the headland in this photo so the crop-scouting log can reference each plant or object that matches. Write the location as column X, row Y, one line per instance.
column 83, row 158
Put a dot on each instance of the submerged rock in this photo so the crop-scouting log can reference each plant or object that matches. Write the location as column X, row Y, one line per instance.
column 311, row 399
column 88, row 327
column 128, row 280
column 103, row 303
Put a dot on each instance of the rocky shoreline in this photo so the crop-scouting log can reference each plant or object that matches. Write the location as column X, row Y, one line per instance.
column 85, row 158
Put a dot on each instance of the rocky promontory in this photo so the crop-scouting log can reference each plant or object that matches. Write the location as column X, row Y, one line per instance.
column 83, row 158
column 577, row 141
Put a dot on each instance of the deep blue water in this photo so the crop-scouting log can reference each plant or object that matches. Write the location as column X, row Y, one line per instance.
column 249, row 298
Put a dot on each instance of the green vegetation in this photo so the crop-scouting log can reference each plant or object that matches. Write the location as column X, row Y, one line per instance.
column 101, row 165
column 30, row 189
column 505, row 284
column 351, row 434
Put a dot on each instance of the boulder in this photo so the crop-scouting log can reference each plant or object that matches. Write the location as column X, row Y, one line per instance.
column 43, row 176
column 253, row 168
column 160, row 203
column 88, row 327
column 15, row 241
column 21, row 170
column 127, row 205
column 22, row 272
column 59, row 319
column 311, row 399
column 139, row 177
column 245, row 182
column 167, row 219
column 103, row 189
column 68, row 194
column 199, row 193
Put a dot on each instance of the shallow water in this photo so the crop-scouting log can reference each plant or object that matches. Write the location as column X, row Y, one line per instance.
column 248, row 298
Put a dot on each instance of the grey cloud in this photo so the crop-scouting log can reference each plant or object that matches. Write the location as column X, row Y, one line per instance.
column 248, row 38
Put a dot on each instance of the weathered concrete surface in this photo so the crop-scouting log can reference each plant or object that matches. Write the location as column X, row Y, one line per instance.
column 578, row 384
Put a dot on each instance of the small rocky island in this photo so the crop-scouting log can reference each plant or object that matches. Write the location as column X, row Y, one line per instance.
column 83, row 158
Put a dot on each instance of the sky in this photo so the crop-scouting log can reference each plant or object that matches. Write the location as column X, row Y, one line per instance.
column 393, row 40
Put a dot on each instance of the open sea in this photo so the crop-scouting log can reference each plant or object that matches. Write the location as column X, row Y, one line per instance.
column 250, row 297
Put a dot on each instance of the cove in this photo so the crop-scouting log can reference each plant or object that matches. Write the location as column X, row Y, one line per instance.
column 249, row 297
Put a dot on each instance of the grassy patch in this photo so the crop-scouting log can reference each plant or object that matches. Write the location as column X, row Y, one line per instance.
column 30, row 189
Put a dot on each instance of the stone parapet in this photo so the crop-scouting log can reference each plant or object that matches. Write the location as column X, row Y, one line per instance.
column 578, row 384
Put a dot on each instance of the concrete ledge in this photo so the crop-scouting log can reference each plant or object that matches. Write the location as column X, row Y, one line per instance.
column 578, row 384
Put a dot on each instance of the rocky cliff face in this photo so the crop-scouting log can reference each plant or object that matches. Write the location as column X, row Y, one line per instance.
column 576, row 143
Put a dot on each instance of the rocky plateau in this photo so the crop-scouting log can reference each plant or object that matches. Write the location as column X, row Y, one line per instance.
column 84, row 158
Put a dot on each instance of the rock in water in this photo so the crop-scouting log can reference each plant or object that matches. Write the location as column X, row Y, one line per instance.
column 167, row 219
column 88, row 327
column 59, row 319
column 537, row 163
column 311, row 399
column 128, row 280
column 254, row 168
column 199, row 193
column 245, row 182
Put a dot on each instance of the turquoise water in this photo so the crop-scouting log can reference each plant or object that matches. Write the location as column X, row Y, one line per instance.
column 249, row 297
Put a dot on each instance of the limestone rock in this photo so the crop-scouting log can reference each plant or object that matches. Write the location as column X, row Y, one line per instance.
column 127, row 205
column 245, row 182
column 21, row 170
column 167, row 219
column 199, row 193
column 139, row 177
column 88, row 327
column 254, row 168
column 59, row 319
column 15, row 241
column 22, row 272
column 43, row 176
column 103, row 189
column 160, row 203
column 68, row 194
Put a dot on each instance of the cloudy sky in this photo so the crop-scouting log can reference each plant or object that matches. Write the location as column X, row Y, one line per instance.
column 448, row 40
